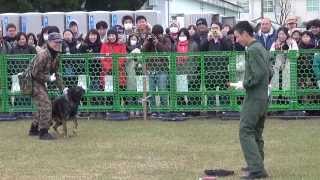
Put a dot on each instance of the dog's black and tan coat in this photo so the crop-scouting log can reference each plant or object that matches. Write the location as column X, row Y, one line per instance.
column 66, row 108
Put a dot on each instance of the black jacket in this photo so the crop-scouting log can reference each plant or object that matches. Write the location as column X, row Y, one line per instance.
column 90, row 47
column 220, row 45
column 23, row 49
column 69, row 47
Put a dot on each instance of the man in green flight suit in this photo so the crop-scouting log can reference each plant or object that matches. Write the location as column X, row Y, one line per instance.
column 254, row 108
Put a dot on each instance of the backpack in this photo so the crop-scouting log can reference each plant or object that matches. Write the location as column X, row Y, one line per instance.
column 25, row 79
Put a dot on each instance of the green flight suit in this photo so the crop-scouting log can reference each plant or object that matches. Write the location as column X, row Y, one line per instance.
column 254, row 108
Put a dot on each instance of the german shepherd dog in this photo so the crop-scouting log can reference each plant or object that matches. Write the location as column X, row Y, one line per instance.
column 65, row 108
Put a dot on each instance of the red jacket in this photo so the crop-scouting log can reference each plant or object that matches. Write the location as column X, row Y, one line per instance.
column 106, row 63
column 182, row 47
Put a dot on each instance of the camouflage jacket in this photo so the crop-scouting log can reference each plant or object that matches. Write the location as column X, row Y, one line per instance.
column 43, row 66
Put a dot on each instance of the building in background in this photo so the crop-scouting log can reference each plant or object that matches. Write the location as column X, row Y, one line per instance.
column 187, row 11
column 305, row 10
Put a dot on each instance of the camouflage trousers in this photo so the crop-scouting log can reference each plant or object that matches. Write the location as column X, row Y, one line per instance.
column 43, row 116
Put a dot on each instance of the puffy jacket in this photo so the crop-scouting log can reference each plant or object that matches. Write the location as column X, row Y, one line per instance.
column 268, row 41
column 23, row 49
column 106, row 63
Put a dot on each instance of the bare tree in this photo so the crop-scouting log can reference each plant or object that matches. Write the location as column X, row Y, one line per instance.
column 282, row 10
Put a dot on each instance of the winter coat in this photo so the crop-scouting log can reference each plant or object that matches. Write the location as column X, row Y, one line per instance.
column 23, row 49
column 106, row 63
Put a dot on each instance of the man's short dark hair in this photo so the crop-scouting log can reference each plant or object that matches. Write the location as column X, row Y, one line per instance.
column 73, row 23
column 10, row 25
column 157, row 29
column 102, row 24
column 314, row 22
column 244, row 26
column 127, row 17
column 217, row 23
column 140, row 17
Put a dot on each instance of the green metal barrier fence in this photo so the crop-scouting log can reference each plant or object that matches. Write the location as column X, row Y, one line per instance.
column 175, row 82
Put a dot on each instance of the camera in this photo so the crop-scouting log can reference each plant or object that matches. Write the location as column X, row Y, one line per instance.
column 150, row 38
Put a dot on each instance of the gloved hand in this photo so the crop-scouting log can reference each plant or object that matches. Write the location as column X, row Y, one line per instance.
column 318, row 83
column 136, row 50
column 65, row 90
column 269, row 89
column 238, row 85
column 52, row 77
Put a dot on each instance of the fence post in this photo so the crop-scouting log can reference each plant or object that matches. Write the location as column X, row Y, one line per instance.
column 116, row 89
column 292, row 56
column 204, row 103
column 173, row 83
column 232, row 78
column 4, row 86
column 1, row 83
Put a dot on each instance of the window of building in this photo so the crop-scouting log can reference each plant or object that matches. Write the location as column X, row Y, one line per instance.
column 267, row 5
column 313, row 5
column 245, row 5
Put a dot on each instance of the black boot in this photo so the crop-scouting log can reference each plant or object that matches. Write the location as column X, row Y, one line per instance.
column 45, row 135
column 34, row 131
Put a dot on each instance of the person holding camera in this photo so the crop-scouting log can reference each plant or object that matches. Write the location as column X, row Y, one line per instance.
column 157, row 67
column 283, row 43
column 215, row 40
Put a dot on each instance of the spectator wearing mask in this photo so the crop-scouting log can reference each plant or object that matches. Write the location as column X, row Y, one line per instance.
column 187, row 67
column 193, row 32
column 202, row 27
column 127, row 23
column 43, row 38
column 32, row 40
column 266, row 35
column 283, row 43
column 314, row 27
column 11, row 34
column 5, row 46
column 133, row 67
column 158, row 68
column 134, row 43
column 92, row 42
column 173, row 35
column 102, row 28
column 296, row 35
column 22, row 47
column 73, row 26
column 69, row 43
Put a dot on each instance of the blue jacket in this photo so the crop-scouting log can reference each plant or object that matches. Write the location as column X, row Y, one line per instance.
column 271, row 37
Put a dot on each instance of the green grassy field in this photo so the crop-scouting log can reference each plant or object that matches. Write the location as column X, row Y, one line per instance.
column 142, row 150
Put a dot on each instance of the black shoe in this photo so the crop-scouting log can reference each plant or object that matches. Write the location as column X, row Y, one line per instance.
column 218, row 172
column 45, row 135
column 34, row 131
column 255, row 175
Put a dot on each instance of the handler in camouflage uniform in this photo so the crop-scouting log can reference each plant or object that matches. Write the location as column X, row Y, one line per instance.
column 45, row 69
column 258, row 74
